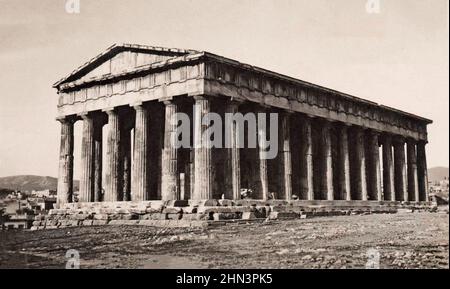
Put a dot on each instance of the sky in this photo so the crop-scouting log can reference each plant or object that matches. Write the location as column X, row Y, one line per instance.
column 397, row 57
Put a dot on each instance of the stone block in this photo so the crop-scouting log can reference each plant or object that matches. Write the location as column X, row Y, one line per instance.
column 99, row 222
column 87, row 223
column 100, row 217
column 129, row 217
column 80, row 216
column 190, row 210
column 177, row 203
column 172, row 210
column 123, row 222
column 207, row 203
column 74, row 223
column 226, row 203
column 174, row 216
column 202, row 217
column 189, row 217
column 248, row 216
column 226, row 216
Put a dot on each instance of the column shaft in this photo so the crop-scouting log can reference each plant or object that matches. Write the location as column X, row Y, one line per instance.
column 65, row 176
column 140, row 155
column 202, row 156
column 98, row 153
column 170, row 184
column 344, row 165
column 400, row 170
column 234, row 165
column 326, row 162
column 388, row 170
column 286, row 155
column 360, row 165
column 374, row 167
column 306, row 160
column 113, row 182
column 413, row 184
column 263, row 169
column 87, row 161
column 125, row 147
column 422, row 173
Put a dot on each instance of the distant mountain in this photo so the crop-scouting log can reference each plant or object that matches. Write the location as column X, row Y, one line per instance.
column 437, row 174
column 29, row 183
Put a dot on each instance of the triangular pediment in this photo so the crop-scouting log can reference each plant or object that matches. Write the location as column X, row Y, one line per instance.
column 120, row 58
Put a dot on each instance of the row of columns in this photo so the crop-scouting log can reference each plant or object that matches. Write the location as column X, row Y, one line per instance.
column 357, row 161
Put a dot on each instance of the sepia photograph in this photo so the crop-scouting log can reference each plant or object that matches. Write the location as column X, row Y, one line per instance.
column 242, row 135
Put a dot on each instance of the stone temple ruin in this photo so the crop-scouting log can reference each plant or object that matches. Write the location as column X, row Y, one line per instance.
column 337, row 153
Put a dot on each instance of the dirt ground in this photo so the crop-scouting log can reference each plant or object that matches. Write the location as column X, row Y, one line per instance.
column 403, row 240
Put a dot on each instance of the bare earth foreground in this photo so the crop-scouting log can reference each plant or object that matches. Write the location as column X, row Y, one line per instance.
column 403, row 240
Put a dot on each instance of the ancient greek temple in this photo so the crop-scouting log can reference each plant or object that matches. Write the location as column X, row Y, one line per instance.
column 332, row 146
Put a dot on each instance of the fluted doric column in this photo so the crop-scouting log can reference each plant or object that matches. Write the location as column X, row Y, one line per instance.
column 344, row 164
column 306, row 159
column 262, row 151
column 413, row 183
column 113, row 182
column 98, row 164
column 140, row 175
column 400, row 170
column 374, row 167
column 326, row 162
column 87, row 160
column 286, row 155
column 202, row 155
column 170, row 184
column 360, row 165
column 65, row 176
column 388, row 169
column 234, row 165
column 125, row 148
column 422, row 173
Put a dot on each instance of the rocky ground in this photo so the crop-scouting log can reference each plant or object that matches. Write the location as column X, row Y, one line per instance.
column 403, row 240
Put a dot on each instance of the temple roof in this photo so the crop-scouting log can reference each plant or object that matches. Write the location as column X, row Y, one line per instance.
column 177, row 55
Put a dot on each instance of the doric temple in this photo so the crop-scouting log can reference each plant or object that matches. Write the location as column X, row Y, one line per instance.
column 332, row 146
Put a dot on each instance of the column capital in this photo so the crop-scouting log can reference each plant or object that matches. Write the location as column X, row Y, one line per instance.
column 136, row 105
column 235, row 100
column 85, row 115
column 200, row 97
column 110, row 110
column 398, row 140
column 65, row 119
column 411, row 141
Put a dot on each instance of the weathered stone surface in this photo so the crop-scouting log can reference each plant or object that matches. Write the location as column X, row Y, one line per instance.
column 174, row 216
column 177, row 203
column 99, row 222
column 248, row 216
column 172, row 210
column 87, row 223
column 123, row 222
column 100, row 216
column 226, row 216
column 226, row 203
column 190, row 210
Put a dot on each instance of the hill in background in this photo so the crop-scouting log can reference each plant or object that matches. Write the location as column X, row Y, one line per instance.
column 30, row 182
column 437, row 174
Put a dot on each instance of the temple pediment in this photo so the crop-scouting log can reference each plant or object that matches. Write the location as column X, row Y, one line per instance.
column 121, row 58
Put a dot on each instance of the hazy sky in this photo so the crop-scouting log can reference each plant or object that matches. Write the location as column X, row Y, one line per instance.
column 398, row 57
